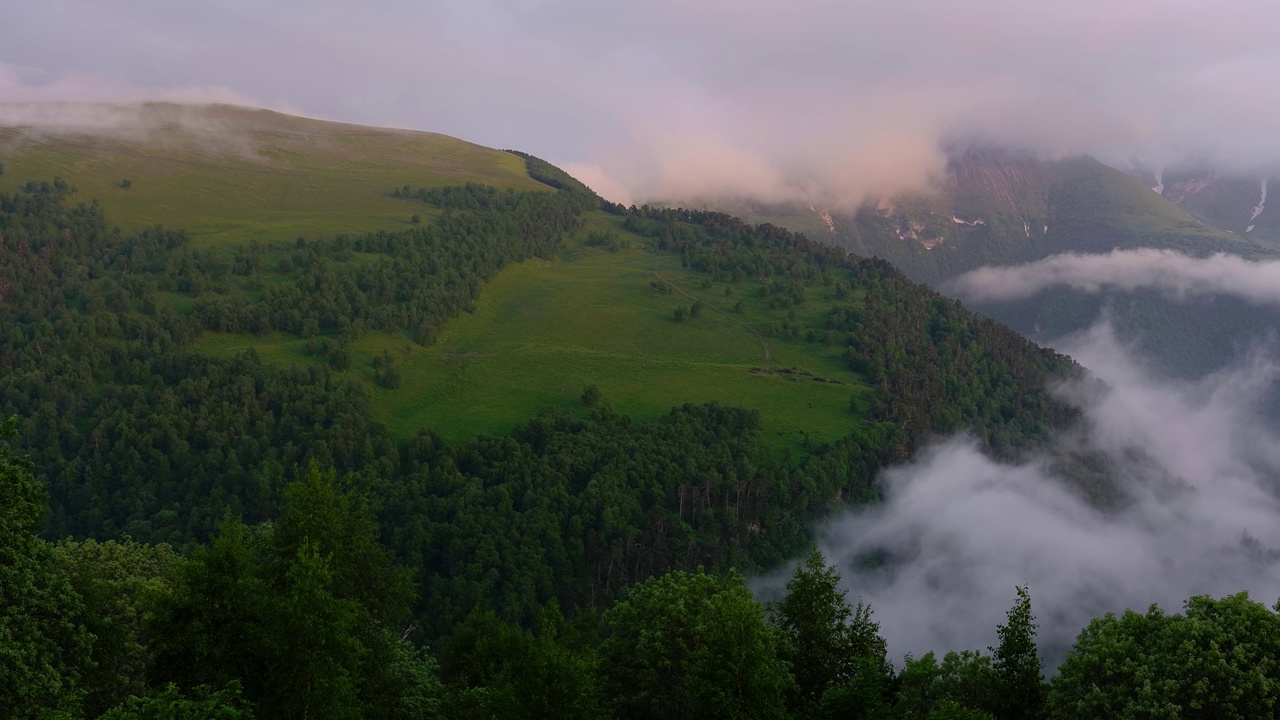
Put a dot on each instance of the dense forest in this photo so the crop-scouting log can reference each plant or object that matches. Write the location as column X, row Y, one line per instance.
column 309, row 616
column 226, row 537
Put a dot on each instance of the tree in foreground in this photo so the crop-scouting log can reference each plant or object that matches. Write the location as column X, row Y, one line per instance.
column 304, row 613
column 1220, row 659
column 1017, row 663
column 828, row 643
column 43, row 650
column 499, row 671
column 692, row 645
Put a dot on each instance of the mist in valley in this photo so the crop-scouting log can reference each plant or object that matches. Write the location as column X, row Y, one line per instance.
column 1188, row 505
column 1173, row 274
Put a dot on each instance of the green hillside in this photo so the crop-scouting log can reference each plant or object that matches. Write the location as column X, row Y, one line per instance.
column 231, row 174
column 544, row 397
column 544, row 329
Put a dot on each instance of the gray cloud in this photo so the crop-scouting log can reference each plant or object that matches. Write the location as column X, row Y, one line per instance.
column 1166, row 271
column 1197, row 466
column 815, row 99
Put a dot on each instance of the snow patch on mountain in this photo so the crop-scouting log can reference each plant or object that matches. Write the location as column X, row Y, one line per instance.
column 1262, row 203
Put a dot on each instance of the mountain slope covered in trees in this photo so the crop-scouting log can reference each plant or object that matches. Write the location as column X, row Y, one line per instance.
column 230, row 432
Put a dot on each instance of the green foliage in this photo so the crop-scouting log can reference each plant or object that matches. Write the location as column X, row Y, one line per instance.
column 826, row 640
column 692, row 645
column 864, row 694
column 122, row 584
column 575, row 510
column 497, row 670
column 545, row 172
column 965, row 682
column 1219, row 659
column 173, row 704
column 1017, row 665
column 386, row 371
column 305, row 615
column 42, row 647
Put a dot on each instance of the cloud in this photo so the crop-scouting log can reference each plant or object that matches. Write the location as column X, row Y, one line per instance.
column 1166, row 271
column 29, row 89
column 831, row 101
column 1197, row 471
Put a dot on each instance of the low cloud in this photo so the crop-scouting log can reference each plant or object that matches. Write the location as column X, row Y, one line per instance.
column 831, row 102
column 1166, row 271
column 1197, row 471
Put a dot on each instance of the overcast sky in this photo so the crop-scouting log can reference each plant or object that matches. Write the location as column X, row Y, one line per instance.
column 680, row 96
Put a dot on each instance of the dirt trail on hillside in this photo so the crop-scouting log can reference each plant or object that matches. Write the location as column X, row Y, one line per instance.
column 768, row 351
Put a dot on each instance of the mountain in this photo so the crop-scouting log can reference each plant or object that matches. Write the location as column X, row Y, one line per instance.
column 230, row 174
column 548, row 397
column 1225, row 199
column 1000, row 207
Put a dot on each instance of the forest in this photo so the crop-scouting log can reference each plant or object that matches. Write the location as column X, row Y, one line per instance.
column 309, row 615
column 195, row 536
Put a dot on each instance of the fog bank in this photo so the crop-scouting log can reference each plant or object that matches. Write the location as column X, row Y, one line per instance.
column 1166, row 271
column 818, row 100
column 957, row 531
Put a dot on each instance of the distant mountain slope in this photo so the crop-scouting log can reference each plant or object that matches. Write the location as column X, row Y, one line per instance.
column 1225, row 199
column 231, row 174
column 997, row 207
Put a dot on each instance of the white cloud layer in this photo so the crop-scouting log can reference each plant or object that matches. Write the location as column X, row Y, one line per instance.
column 1196, row 463
column 1166, row 271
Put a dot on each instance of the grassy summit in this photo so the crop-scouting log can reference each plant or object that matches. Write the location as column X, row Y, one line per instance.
column 231, row 174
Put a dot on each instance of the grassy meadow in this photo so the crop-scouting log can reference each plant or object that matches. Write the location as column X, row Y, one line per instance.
column 229, row 175
column 543, row 331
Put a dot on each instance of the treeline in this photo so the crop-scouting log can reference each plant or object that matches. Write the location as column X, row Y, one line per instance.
column 412, row 281
column 548, row 174
column 307, row 616
column 936, row 367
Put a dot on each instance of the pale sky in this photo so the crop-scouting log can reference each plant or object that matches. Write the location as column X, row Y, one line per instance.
column 679, row 96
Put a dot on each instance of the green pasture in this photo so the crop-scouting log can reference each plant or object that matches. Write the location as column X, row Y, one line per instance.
column 544, row 330
column 230, row 175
